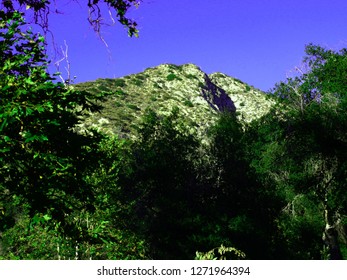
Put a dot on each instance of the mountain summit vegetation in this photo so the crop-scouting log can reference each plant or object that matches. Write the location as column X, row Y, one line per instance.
column 199, row 97
column 170, row 163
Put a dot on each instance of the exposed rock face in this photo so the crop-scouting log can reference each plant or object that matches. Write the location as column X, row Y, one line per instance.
column 216, row 97
column 250, row 102
column 199, row 97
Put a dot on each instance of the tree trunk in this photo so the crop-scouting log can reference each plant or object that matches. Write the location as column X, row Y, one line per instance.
column 330, row 238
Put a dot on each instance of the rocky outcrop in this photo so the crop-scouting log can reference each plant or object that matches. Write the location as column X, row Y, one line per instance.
column 216, row 97
column 250, row 102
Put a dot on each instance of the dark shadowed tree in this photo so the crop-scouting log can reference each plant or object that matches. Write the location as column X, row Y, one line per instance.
column 162, row 185
column 240, row 204
column 311, row 151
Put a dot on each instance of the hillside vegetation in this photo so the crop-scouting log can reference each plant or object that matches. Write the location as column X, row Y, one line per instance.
column 198, row 96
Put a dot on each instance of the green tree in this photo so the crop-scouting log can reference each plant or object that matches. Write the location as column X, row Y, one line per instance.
column 162, row 185
column 311, row 148
column 58, row 186
column 43, row 158
column 238, row 198
column 295, row 233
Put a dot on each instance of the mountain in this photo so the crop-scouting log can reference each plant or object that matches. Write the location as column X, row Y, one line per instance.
column 199, row 97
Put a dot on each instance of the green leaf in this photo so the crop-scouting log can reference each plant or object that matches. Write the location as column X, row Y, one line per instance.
column 13, row 112
column 4, row 122
column 28, row 111
column 40, row 108
column 47, row 217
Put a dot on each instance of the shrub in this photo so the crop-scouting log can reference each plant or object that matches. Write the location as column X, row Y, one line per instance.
column 166, row 96
column 138, row 83
column 188, row 103
column 202, row 85
column 141, row 77
column 118, row 104
column 238, row 80
column 153, row 98
column 175, row 67
column 103, row 88
column 191, row 77
column 221, row 253
column 171, row 77
column 120, row 93
column 119, row 82
column 133, row 107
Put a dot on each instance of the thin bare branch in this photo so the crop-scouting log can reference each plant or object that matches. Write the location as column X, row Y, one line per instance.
column 67, row 67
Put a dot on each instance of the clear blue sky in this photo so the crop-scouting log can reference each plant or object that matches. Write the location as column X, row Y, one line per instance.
column 257, row 41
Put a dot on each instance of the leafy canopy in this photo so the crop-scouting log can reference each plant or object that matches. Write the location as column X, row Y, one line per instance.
column 43, row 8
column 41, row 154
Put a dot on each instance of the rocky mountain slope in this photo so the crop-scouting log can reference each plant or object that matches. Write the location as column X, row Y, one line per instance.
column 198, row 96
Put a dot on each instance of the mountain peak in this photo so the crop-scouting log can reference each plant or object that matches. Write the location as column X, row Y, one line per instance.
column 199, row 97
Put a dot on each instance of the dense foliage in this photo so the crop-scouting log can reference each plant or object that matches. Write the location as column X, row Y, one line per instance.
column 302, row 153
column 41, row 10
column 43, row 159
column 272, row 189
